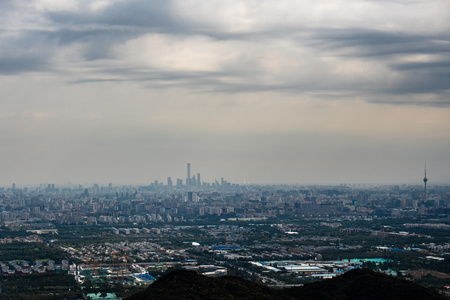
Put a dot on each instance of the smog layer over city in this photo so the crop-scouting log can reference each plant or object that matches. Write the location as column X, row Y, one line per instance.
column 284, row 142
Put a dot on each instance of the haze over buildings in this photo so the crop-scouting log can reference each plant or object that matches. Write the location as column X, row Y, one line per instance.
column 264, row 92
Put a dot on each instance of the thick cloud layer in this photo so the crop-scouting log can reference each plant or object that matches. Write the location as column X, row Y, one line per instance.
column 261, row 45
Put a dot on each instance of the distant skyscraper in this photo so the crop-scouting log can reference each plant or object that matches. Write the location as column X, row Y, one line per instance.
column 188, row 178
column 169, row 181
column 425, row 180
column 199, row 183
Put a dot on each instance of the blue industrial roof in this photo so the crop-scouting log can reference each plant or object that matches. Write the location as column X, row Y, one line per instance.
column 147, row 277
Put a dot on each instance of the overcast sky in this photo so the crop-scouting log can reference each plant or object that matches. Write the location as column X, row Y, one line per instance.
column 337, row 91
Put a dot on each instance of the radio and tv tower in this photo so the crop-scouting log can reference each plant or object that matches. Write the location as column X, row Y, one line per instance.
column 425, row 179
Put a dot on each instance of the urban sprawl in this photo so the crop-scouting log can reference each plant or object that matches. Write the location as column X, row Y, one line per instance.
column 280, row 235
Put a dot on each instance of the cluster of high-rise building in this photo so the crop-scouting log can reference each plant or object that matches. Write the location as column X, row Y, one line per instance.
column 194, row 181
column 190, row 181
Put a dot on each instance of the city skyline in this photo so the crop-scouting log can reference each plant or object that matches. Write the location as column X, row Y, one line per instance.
column 218, row 181
column 330, row 92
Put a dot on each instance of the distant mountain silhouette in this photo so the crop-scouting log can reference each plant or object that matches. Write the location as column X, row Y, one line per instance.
column 357, row 284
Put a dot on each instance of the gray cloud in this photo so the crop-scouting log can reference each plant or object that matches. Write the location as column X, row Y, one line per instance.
column 16, row 65
column 25, row 53
column 100, row 31
column 443, row 66
column 138, row 15
column 375, row 43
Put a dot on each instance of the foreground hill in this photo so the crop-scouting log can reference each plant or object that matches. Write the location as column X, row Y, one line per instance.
column 183, row 284
column 355, row 284
column 363, row 284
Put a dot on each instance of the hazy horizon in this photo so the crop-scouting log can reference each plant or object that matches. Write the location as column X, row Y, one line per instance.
column 288, row 92
column 163, row 181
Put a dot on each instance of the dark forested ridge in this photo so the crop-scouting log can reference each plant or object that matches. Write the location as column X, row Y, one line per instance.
column 355, row 284
column 363, row 284
column 181, row 284
column 39, row 287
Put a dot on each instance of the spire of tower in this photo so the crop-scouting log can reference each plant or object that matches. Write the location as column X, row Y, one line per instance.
column 425, row 179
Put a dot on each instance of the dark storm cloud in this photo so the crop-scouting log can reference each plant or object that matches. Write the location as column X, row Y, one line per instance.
column 387, row 48
column 364, row 42
column 424, row 77
column 97, row 42
column 16, row 65
column 101, row 30
column 26, row 53
column 140, row 15
column 98, row 32
column 442, row 66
